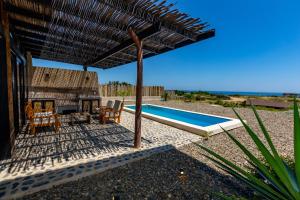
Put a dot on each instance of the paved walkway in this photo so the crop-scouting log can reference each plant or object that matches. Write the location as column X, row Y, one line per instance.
column 81, row 150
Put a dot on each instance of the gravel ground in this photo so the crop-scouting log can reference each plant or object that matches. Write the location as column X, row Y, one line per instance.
column 157, row 177
column 279, row 124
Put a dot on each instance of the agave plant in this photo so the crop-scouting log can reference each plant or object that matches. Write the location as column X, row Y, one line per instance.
column 278, row 180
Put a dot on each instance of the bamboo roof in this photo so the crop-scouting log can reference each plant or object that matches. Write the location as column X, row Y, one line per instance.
column 52, row 78
column 95, row 32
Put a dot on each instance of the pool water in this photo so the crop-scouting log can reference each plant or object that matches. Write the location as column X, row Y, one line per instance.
column 183, row 116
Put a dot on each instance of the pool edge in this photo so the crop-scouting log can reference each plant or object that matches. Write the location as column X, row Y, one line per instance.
column 199, row 130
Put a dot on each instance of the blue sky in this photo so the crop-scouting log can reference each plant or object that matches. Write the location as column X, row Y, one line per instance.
column 256, row 48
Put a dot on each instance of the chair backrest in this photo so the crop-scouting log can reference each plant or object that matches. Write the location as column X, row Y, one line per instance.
column 118, row 105
column 86, row 107
column 109, row 104
column 30, row 114
column 49, row 105
column 28, row 107
column 37, row 106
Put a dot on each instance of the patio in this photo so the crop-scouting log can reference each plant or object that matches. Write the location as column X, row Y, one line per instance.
column 81, row 150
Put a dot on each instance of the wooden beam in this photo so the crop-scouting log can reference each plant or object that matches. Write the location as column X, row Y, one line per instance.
column 29, row 69
column 200, row 37
column 142, row 35
column 58, row 50
column 25, row 12
column 33, row 34
column 43, row 37
column 38, row 40
column 17, row 22
column 79, row 30
column 67, row 9
column 139, row 88
column 58, row 59
column 43, row 33
column 1, row 29
column 39, row 44
column 128, row 9
column 138, row 12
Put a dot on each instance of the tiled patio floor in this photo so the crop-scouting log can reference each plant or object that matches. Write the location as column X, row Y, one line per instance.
column 80, row 150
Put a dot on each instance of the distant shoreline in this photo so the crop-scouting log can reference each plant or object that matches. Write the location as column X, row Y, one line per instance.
column 258, row 94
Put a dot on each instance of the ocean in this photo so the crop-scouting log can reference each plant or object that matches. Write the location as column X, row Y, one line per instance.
column 261, row 94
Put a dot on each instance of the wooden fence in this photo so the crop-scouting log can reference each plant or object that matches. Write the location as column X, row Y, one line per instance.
column 112, row 90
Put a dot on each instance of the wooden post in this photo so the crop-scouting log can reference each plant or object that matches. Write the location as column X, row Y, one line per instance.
column 29, row 69
column 84, row 68
column 139, row 88
column 9, row 75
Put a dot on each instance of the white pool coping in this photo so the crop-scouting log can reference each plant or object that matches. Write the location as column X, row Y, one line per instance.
column 199, row 130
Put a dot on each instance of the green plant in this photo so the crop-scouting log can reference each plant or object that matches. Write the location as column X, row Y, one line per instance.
column 277, row 179
column 226, row 103
column 199, row 97
column 118, row 83
column 188, row 97
column 179, row 92
column 288, row 160
column 201, row 93
column 165, row 96
column 222, row 97
column 124, row 93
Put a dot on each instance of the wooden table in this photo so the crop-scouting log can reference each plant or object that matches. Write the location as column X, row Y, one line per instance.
column 80, row 118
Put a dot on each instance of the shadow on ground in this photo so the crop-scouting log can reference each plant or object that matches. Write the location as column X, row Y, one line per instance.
column 154, row 177
column 72, row 142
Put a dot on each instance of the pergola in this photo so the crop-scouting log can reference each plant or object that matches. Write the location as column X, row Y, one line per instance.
column 101, row 33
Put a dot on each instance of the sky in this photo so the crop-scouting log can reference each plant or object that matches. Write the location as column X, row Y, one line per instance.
column 256, row 48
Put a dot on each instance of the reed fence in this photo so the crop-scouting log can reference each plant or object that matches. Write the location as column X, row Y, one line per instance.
column 109, row 90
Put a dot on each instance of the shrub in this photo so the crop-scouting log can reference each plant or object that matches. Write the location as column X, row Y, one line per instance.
column 124, row 93
column 201, row 93
column 188, row 97
column 223, row 97
column 179, row 92
column 277, row 180
column 289, row 161
column 165, row 96
column 226, row 103
column 198, row 97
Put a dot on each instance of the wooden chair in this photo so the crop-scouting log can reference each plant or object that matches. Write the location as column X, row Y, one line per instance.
column 37, row 106
column 40, row 110
column 109, row 105
column 112, row 113
column 28, row 108
column 43, row 120
column 45, row 117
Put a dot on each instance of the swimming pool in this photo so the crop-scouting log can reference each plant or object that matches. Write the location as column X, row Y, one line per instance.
column 199, row 123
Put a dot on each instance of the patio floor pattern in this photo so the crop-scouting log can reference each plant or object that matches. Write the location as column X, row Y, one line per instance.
column 80, row 150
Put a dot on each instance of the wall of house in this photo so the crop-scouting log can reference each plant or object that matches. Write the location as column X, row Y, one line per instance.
column 66, row 87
